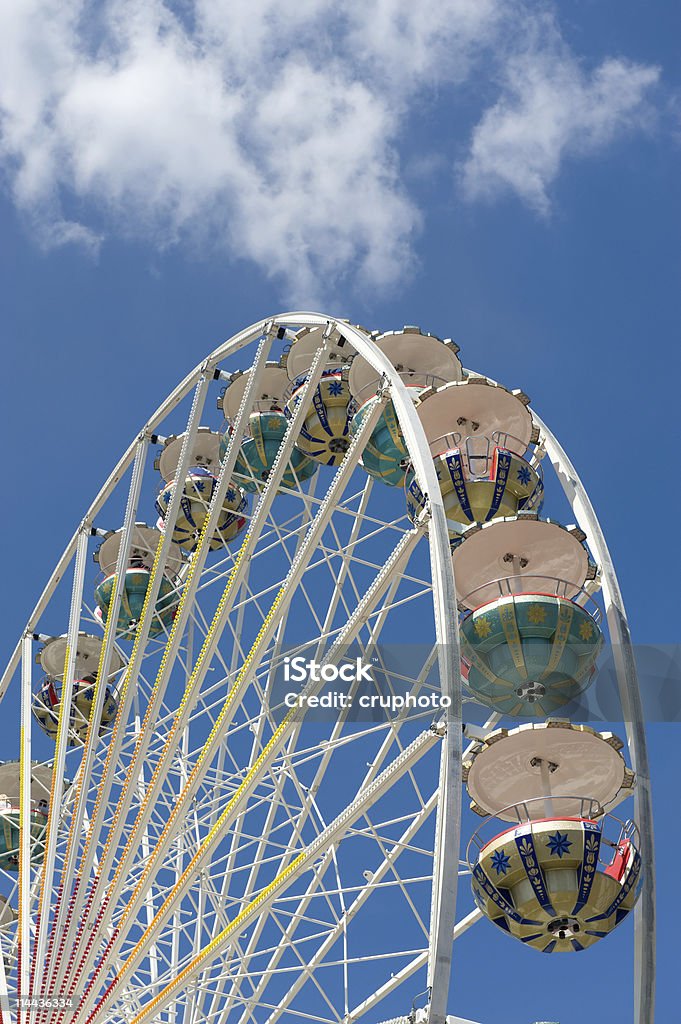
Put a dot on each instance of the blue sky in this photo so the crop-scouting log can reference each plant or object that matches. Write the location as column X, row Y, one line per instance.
column 502, row 173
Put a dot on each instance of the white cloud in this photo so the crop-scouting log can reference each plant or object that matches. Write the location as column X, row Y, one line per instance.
column 412, row 44
column 551, row 108
column 273, row 128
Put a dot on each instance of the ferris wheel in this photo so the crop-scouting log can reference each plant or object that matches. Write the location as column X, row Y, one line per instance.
column 317, row 596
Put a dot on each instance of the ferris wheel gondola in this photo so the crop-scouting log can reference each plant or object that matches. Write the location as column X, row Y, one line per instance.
column 48, row 698
column 324, row 435
column 422, row 362
column 197, row 491
column 530, row 631
column 479, row 436
column 266, row 428
column 39, row 783
column 136, row 575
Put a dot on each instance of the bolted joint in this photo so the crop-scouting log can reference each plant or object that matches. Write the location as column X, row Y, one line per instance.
column 426, row 513
column 474, row 732
column 331, row 326
column 85, row 526
column 383, row 389
column 151, row 436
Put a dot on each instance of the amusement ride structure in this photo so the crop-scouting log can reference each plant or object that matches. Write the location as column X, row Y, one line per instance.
column 189, row 837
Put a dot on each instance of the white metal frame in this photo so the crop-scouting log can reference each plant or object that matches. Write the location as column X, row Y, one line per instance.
column 71, row 922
